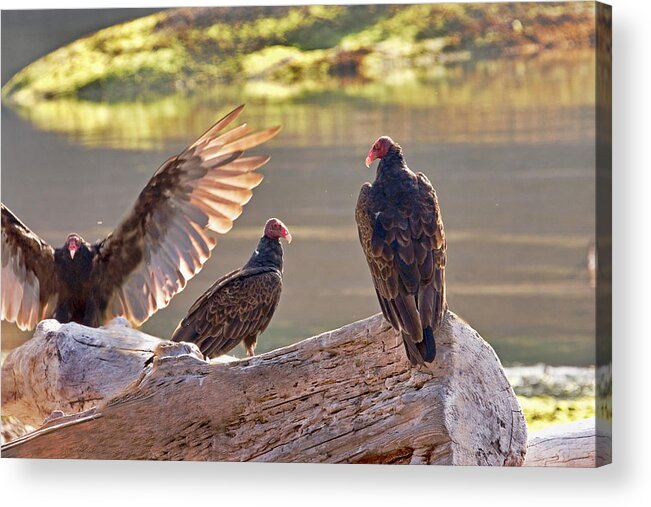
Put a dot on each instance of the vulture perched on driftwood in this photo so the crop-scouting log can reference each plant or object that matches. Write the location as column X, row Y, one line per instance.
column 401, row 232
column 162, row 243
column 240, row 305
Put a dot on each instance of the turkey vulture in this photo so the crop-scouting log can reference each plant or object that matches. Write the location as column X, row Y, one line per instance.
column 162, row 243
column 239, row 305
column 401, row 232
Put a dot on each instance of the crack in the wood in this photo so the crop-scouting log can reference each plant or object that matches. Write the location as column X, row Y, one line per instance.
column 577, row 458
column 302, row 397
column 35, row 435
column 556, row 458
column 111, row 347
column 308, row 435
column 510, row 439
column 81, row 401
column 43, row 413
column 553, row 438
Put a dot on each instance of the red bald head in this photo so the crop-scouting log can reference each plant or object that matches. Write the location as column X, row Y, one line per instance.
column 379, row 149
column 275, row 229
column 73, row 243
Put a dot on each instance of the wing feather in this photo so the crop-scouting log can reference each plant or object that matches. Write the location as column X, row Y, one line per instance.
column 168, row 235
column 29, row 284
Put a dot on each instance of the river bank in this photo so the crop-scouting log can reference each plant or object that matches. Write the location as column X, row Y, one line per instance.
column 291, row 51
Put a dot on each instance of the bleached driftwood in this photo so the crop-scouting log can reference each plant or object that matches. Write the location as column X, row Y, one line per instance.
column 347, row 395
column 70, row 368
column 577, row 444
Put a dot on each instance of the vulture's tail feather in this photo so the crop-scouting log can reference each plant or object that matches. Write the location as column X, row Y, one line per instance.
column 184, row 333
column 427, row 347
column 423, row 352
column 412, row 352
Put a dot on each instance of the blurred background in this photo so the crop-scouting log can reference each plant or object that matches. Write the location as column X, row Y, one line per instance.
column 493, row 102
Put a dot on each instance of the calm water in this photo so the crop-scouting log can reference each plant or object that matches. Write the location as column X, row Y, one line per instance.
column 508, row 144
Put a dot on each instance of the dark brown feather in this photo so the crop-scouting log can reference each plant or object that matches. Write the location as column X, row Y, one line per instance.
column 239, row 306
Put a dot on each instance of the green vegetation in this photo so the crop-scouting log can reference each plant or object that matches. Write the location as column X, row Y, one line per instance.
column 554, row 395
column 285, row 51
column 150, row 122
column 544, row 411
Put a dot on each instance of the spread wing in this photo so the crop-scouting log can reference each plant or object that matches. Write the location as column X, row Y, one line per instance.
column 167, row 236
column 404, row 244
column 240, row 305
column 29, row 284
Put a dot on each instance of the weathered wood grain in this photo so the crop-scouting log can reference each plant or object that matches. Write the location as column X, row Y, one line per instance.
column 346, row 396
column 70, row 368
column 577, row 444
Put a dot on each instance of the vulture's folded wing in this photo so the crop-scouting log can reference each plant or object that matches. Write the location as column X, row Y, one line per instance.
column 406, row 252
column 378, row 245
column 432, row 234
column 238, row 306
column 167, row 236
column 29, row 287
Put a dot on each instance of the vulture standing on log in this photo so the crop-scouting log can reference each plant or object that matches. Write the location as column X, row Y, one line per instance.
column 401, row 232
column 162, row 243
column 240, row 305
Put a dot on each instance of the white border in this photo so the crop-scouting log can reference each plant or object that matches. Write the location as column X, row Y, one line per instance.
column 51, row 483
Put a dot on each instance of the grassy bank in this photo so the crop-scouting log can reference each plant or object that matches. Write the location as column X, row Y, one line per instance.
column 553, row 395
column 544, row 411
column 287, row 50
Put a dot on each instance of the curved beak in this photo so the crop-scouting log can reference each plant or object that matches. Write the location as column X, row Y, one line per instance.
column 72, row 249
column 287, row 235
column 369, row 158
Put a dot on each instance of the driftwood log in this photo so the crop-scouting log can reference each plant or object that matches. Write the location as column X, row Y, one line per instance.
column 585, row 443
column 347, row 395
column 70, row 368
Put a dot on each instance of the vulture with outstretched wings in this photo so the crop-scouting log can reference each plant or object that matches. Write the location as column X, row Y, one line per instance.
column 401, row 232
column 240, row 305
column 162, row 243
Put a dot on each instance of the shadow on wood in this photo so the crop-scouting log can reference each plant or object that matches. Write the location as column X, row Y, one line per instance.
column 346, row 396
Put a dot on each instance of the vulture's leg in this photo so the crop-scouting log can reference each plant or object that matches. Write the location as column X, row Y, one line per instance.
column 249, row 343
column 91, row 313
